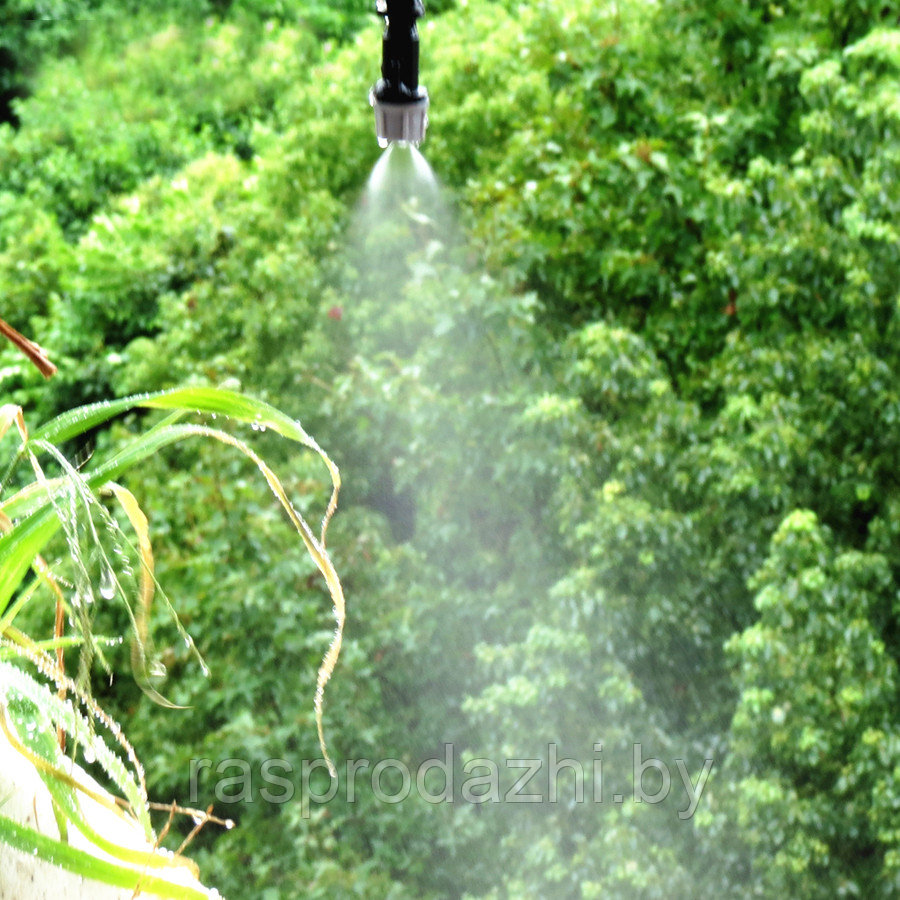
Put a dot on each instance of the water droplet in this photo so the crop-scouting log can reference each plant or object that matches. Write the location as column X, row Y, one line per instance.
column 83, row 598
column 107, row 584
column 157, row 669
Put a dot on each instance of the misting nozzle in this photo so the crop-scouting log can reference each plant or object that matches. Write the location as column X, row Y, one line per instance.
column 400, row 121
column 400, row 104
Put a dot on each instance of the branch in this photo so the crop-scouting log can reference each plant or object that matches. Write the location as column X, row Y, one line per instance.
column 30, row 349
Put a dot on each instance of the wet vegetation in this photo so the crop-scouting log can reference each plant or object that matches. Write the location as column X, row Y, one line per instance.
column 619, row 450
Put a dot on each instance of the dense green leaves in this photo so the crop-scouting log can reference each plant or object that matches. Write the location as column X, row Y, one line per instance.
column 815, row 733
column 620, row 456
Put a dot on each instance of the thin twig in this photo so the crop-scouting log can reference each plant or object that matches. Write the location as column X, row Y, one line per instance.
column 193, row 813
column 36, row 354
column 203, row 819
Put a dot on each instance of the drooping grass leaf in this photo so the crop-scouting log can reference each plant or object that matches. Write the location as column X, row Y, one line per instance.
column 41, row 515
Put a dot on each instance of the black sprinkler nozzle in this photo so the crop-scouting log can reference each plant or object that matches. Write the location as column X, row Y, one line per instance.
column 399, row 101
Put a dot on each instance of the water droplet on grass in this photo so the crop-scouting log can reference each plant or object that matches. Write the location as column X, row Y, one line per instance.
column 107, row 584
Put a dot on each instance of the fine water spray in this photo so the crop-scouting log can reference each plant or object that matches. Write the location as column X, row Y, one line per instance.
column 399, row 101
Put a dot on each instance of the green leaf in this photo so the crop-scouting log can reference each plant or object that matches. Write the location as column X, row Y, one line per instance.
column 80, row 862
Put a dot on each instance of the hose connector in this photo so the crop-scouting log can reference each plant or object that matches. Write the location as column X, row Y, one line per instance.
column 400, row 103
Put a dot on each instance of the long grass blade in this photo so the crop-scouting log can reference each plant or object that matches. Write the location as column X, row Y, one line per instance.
column 88, row 866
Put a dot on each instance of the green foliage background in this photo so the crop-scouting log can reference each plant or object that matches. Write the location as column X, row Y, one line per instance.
column 635, row 480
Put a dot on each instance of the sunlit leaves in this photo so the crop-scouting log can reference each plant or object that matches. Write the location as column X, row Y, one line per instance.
column 816, row 716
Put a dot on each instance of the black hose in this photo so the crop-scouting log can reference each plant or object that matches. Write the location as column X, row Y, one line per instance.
column 400, row 52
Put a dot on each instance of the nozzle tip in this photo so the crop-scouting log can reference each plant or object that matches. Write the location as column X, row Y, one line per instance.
column 400, row 121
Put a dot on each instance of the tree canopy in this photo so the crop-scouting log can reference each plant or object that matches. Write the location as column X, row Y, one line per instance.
column 620, row 449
